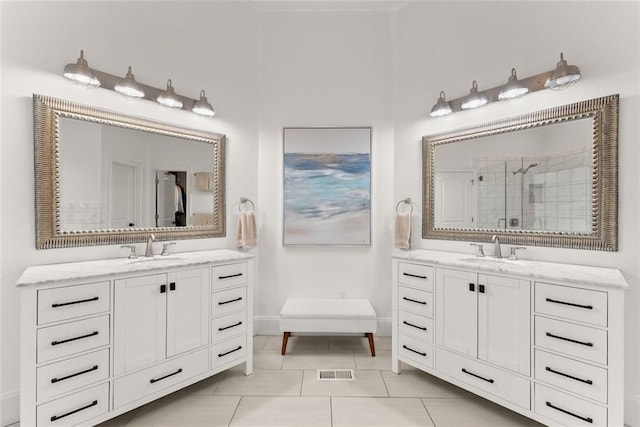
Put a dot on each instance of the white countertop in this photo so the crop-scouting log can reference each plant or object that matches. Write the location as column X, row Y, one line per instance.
column 52, row 273
column 570, row 273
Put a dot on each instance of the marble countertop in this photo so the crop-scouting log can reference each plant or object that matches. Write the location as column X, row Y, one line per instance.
column 53, row 273
column 568, row 273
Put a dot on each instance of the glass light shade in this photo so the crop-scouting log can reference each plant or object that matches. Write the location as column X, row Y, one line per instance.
column 563, row 76
column 202, row 107
column 169, row 98
column 128, row 86
column 81, row 73
column 442, row 107
column 474, row 99
column 513, row 89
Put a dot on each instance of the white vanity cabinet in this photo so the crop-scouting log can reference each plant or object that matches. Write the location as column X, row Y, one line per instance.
column 542, row 339
column 100, row 338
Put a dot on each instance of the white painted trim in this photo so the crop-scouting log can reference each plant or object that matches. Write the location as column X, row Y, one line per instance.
column 632, row 411
column 9, row 408
column 269, row 325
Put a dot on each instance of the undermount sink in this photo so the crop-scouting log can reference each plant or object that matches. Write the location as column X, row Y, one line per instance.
column 157, row 258
column 489, row 260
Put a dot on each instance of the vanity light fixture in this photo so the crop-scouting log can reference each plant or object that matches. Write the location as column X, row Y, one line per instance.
column 81, row 73
column 563, row 76
column 442, row 107
column 169, row 98
column 202, row 107
column 128, row 86
column 513, row 89
column 475, row 99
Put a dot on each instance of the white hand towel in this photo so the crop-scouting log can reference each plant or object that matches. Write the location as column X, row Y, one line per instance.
column 402, row 232
column 246, row 233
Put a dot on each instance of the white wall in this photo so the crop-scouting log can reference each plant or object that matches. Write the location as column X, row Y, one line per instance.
column 445, row 46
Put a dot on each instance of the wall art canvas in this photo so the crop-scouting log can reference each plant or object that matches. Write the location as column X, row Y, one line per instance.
column 327, row 186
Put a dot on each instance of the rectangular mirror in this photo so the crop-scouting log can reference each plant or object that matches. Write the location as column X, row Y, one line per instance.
column 548, row 178
column 103, row 178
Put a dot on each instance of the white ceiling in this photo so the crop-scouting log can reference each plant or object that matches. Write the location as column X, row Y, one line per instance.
column 327, row 5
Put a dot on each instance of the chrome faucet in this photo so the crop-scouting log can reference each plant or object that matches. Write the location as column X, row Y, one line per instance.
column 497, row 252
column 149, row 251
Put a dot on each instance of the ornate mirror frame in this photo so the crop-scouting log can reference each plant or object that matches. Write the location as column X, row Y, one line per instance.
column 604, row 222
column 47, row 112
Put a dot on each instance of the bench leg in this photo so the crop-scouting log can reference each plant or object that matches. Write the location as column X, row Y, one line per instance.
column 371, row 346
column 285, row 338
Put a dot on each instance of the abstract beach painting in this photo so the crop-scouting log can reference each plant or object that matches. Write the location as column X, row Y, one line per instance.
column 327, row 186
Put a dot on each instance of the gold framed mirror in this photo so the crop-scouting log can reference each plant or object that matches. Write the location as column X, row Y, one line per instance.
column 102, row 177
column 548, row 178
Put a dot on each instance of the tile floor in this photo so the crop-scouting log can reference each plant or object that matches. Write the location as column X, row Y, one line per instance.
column 283, row 391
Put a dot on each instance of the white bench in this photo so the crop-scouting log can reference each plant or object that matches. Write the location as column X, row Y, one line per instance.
column 326, row 316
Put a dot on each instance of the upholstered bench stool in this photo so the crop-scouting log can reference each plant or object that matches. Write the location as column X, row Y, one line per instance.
column 327, row 316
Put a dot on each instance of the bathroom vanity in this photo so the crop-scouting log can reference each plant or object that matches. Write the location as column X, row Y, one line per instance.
column 99, row 338
column 542, row 339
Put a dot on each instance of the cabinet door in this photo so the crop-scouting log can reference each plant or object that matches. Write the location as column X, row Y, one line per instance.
column 504, row 322
column 457, row 311
column 187, row 310
column 139, row 322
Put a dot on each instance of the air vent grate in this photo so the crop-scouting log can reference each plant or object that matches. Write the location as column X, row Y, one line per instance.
column 335, row 375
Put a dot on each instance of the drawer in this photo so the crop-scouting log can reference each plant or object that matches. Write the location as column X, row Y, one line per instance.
column 69, row 302
column 419, row 326
column 418, row 275
column 72, row 337
column 228, row 351
column 505, row 385
column 227, row 326
column 419, row 302
column 224, row 302
column 135, row 386
column 582, row 305
column 575, row 340
column 413, row 349
column 75, row 409
column 224, row 276
column 70, row 374
column 567, row 410
column 587, row 380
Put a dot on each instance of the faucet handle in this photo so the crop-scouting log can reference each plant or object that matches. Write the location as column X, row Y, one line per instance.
column 513, row 255
column 480, row 251
column 132, row 254
column 165, row 248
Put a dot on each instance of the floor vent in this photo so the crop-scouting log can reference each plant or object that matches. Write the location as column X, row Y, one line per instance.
column 335, row 375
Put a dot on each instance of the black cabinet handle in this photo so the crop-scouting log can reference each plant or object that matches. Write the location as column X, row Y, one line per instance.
column 489, row 380
column 230, row 326
column 230, row 351
column 163, row 289
column 588, row 307
column 414, row 275
column 172, row 286
column 56, row 380
column 472, row 287
column 414, row 300
column 564, row 411
column 62, row 304
column 422, row 328
column 231, row 300
column 481, row 289
column 415, row 351
column 229, row 276
column 588, row 344
column 92, row 334
column 155, row 380
column 568, row 376
column 57, row 417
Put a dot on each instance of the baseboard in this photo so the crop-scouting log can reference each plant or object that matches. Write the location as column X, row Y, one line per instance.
column 632, row 411
column 269, row 325
column 9, row 408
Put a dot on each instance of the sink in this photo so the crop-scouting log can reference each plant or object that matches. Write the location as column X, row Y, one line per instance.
column 489, row 260
column 157, row 258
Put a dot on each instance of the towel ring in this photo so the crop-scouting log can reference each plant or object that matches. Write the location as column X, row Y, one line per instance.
column 244, row 200
column 406, row 201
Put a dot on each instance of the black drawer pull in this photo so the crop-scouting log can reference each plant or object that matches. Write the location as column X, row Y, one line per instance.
column 230, row 326
column 588, row 344
column 229, row 276
column 568, row 376
column 231, row 300
column 422, row 328
column 489, row 380
column 414, row 275
column 414, row 300
column 155, row 380
column 57, row 417
column 55, row 380
column 415, row 351
column 587, row 419
column 92, row 334
column 588, row 307
column 230, row 351
column 62, row 304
